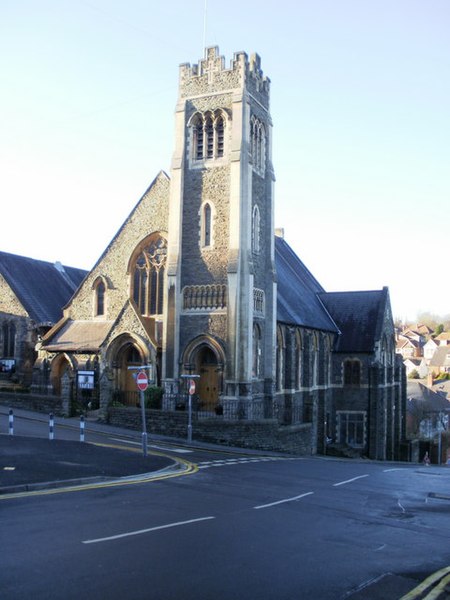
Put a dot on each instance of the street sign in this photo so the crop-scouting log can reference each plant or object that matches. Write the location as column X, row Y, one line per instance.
column 191, row 387
column 142, row 381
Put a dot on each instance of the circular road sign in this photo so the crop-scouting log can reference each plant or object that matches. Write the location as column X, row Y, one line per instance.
column 142, row 381
column 191, row 387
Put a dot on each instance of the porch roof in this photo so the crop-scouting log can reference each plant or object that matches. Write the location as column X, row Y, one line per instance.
column 78, row 336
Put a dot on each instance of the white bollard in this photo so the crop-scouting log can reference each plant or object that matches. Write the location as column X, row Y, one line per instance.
column 51, row 424
column 11, row 422
column 82, row 428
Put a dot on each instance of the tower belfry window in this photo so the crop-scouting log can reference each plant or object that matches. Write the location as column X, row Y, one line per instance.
column 258, row 145
column 208, row 136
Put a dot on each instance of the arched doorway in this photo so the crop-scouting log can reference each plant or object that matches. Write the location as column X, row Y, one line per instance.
column 205, row 357
column 59, row 366
column 208, row 386
column 126, row 391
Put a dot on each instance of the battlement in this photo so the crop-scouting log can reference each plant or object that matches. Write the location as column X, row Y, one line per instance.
column 210, row 75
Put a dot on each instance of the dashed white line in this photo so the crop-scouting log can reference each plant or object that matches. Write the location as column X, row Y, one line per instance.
column 141, row 531
column 131, row 442
column 349, row 480
column 283, row 501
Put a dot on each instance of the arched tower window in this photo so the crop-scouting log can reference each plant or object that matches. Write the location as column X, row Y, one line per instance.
column 256, row 228
column 208, row 135
column 207, row 225
column 256, row 370
column 258, row 145
column 220, row 136
column 206, row 215
column 198, row 137
column 148, row 277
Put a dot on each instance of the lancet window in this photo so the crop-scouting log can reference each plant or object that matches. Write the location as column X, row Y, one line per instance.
column 148, row 277
column 258, row 145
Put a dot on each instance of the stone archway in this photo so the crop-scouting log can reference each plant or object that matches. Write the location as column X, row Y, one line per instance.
column 59, row 367
column 205, row 357
column 124, row 352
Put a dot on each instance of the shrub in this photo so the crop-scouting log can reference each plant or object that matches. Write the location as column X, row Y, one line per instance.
column 153, row 397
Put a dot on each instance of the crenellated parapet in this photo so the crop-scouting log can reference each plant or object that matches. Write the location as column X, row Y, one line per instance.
column 210, row 76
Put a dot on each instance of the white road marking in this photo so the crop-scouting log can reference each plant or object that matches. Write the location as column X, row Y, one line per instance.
column 178, row 450
column 397, row 469
column 398, row 502
column 141, row 531
column 283, row 501
column 349, row 480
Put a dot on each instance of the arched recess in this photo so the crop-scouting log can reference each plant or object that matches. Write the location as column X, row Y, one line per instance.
column 60, row 365
column 128, row 350
column 205, row 356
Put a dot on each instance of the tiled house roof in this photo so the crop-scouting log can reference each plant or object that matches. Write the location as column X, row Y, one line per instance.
column 43, row 288
column 441, row 357
column 359, row 316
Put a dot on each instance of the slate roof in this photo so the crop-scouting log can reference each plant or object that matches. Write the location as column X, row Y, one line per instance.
column 297, row 299
column 431, row 400
column 43, row 288
column 79, row 336
column 359, row 316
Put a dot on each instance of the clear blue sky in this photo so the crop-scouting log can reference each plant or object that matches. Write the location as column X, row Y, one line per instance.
column 361, row 112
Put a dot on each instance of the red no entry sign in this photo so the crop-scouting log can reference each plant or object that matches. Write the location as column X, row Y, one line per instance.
column 142, row 381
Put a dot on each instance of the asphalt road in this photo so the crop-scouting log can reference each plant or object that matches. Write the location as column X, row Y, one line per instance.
column 239, row 526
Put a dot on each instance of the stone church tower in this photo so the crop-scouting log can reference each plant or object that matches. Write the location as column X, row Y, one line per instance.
column 220, row 317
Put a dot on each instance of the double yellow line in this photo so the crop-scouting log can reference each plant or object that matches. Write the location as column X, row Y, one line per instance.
column 441, row 578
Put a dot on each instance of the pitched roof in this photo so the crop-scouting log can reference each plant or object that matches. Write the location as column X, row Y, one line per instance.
column 359, row 316
column 429, row 399
column 297, row 292
column 441, row 357
column 78, row 336
column 43, row 288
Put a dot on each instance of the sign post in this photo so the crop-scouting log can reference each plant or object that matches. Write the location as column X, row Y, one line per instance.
column 190, row 379
column 142, row 385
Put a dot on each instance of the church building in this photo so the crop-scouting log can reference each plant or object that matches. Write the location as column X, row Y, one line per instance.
column 197, row 282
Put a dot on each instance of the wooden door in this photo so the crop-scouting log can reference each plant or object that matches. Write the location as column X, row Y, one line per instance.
column 208, row 389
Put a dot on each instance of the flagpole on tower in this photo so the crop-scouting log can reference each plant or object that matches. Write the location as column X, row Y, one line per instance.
column 204, row 26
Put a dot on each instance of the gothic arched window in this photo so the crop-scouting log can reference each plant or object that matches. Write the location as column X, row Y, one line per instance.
column 100, row 291
column 198, row 137
column 352, row 372
column 208, row 135
column 220, row 135
column 207, row 225
column 280, row 360
column 9, row 340
column 256, row 370
column 148, row 277
column 298, row 361
column 256, row 227
column 258, row 145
